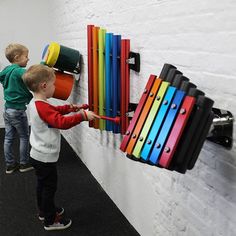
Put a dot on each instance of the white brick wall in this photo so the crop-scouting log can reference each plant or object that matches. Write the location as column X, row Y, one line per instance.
column 199, row 38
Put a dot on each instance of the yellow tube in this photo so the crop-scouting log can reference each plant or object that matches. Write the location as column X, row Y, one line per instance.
column 53, row 53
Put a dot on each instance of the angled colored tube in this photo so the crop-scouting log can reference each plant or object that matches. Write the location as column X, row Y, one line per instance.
column 177, row 131
column 63, row 85
column 143, row 116
column 157, row 124
column 52, row 54
column 137, row 113
column 150, row 118
column 61, row 57
column 159, row 144
column 194, row 135
column 45, row 54
column 68, row 60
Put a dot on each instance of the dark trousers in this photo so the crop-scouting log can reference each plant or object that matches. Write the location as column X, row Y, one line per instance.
column 46, row 174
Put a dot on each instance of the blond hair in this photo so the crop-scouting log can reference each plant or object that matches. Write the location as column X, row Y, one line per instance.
column 13, row 50
column 36, row 75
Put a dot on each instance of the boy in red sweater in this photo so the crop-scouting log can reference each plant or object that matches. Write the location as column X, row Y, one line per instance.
column 45, row 138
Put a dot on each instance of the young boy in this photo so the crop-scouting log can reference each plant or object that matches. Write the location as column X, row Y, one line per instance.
column 16, row 96
column 45, row 140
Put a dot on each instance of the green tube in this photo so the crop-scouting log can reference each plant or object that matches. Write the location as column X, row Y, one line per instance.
column 68, row 60
column 101, row 78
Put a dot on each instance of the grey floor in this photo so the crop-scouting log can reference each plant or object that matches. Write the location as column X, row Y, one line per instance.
column 93, row 213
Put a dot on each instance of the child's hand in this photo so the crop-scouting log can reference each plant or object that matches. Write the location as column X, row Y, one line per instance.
column 89, row 115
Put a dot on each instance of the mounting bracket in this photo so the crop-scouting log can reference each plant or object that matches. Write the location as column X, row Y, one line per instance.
column 221, row 131
column 134, row 61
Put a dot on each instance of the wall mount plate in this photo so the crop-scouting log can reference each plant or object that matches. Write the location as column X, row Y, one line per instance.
column 221, row 131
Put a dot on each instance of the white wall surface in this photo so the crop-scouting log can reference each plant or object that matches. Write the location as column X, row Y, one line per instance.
column 199, row 38
column 26, row 22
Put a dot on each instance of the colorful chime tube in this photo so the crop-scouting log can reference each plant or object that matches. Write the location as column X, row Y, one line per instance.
column 146, row 93
column 116, row 68
column 101, row 79
column 170, row 123
column 90, row 69
column 108, row 78
column 62, row 58
column 63, row 85
column 65, row 61
column 125, row 84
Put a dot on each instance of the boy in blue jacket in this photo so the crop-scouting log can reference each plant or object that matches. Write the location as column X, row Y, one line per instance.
column 16, row 96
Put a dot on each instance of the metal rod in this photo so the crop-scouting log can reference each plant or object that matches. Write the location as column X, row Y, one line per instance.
column 116, row 119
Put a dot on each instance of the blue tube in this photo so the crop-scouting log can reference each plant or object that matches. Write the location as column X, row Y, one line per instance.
column 160, row 117
column 45, row 51
column 115, row 79
column 169, row 121
column 108, row 79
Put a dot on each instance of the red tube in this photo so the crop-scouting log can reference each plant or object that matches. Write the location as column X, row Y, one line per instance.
column 90, row 68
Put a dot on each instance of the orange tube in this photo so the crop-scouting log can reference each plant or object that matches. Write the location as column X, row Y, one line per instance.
column 143, row 116
column 63, row 85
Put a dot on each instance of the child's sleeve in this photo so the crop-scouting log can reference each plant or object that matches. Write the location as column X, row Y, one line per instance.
column 65, row 109
column 50, row 115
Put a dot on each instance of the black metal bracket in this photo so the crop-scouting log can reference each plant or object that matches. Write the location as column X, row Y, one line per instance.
column 221, row 131
column 132, row 108
column 134, row 61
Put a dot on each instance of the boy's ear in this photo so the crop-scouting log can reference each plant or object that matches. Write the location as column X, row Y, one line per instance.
column 43, row 85
column 16, row 57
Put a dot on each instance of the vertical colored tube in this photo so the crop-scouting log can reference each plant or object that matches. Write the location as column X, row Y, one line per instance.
column 90, row 68
column 118, row 128
column 101, row 81
column 115, row 79
column 95, row 74
column 108, row 78
column 122, row 83
column 125, row 84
